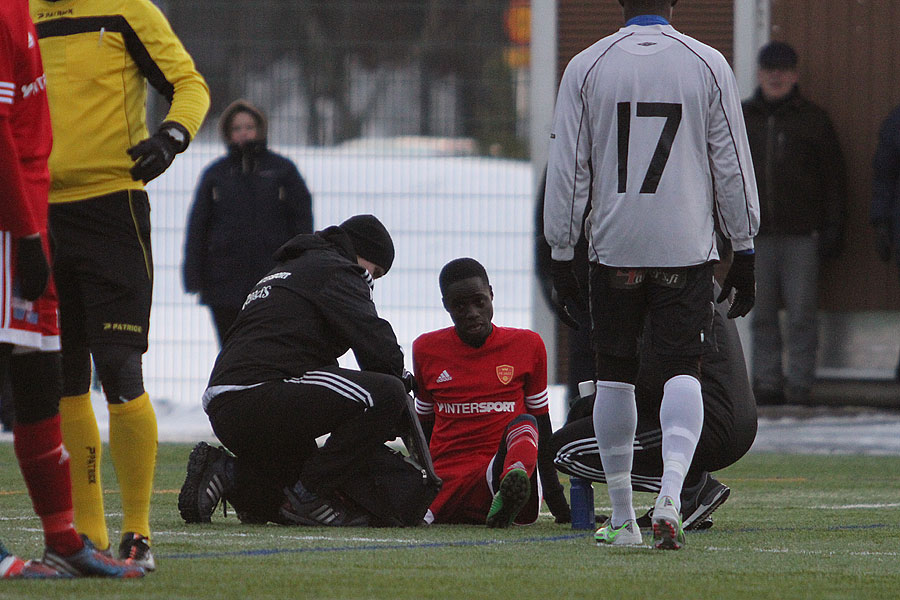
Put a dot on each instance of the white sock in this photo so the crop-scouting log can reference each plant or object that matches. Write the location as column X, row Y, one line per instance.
column 681, row 420
column 615, row 422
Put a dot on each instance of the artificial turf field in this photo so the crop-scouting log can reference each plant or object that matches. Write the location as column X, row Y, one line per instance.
column 795, row 526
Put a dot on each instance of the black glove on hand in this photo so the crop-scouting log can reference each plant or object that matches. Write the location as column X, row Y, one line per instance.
column 883, row 240
column 556, row 502
column 565, row 290
column 742, row 279
column 32, row 269
column 154, row 155
column 409, row 382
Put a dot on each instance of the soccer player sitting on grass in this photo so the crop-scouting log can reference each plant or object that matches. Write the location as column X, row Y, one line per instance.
column 482, row 400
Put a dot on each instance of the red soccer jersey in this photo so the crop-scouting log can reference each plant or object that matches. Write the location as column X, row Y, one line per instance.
column 24, row 177
column 474, row 393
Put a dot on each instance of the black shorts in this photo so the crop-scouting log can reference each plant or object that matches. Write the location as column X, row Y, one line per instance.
column 103, row 269
column 677, row 304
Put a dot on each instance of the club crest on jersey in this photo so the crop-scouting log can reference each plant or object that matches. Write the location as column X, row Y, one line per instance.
column 505, row 373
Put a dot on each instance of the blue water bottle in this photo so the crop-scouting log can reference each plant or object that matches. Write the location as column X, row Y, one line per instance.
column 581, row 500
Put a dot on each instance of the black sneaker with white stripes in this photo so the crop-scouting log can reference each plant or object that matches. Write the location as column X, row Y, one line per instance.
column 210, row 478
column 699, row 501
column 303, row 507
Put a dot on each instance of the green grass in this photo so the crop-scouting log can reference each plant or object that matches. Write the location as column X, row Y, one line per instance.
column 817, row 527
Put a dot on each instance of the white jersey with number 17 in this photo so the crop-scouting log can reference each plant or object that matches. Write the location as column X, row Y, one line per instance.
column 648, row 125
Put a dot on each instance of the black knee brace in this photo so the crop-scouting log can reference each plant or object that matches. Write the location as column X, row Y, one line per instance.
column 670, row 366
column 36, row 385
column 617, row 368
column 119, row 369
column 76, row 371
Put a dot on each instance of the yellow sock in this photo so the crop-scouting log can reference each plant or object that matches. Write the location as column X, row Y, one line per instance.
column 82, row 440
column 132, row 445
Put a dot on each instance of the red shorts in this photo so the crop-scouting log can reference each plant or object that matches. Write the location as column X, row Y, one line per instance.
column 466, row 496
column 27, row 325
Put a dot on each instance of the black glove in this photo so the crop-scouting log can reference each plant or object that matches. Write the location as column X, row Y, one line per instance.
column 566, row 290
column 409, row 382
column 742, row 278
column 883, row 240
column 556, row 502
column 32, row 269
column 830, row 243
column 154, row 155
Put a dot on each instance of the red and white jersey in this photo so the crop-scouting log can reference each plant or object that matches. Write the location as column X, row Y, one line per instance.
column 648, row 126
column 25, row 143
column 23, row 104
column 474, row 393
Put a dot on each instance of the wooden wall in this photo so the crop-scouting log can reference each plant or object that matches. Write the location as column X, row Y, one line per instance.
column 850, row 65
column 583, row 22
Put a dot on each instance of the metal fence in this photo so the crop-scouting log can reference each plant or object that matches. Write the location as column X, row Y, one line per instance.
column 415, row 111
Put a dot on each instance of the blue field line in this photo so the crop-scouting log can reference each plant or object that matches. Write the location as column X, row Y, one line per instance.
column 409, row 546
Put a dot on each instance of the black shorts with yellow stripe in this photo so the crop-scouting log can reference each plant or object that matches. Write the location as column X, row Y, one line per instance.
column 103, row 269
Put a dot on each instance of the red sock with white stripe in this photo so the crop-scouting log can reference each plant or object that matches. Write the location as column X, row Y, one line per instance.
column 521, row 448
column 45, row 466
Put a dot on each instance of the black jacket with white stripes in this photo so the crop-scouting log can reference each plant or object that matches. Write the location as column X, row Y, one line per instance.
column 306, row 313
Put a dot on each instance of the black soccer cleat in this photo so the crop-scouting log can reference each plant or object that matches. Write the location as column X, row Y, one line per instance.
column 135, row 550
column 303, row 507
column 210, row 478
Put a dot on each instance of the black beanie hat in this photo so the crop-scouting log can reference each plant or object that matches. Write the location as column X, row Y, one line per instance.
column 777, row 56
column 370, row 240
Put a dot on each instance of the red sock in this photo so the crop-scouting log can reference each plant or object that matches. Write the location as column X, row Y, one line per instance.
column 45, row 466
column 521, row 448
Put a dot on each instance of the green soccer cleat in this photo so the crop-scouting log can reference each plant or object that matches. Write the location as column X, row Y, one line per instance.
column 668, row 534
column 515, row 488
column 626, row 534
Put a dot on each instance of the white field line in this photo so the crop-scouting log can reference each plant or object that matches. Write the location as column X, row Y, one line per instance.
column 800, row 552
column 855, row 506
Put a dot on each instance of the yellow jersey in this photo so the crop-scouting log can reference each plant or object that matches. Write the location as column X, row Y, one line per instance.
column 98, row 57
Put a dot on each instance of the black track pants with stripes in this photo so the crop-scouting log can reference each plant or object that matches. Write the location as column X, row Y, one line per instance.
column 272, row 430
column 729, row 417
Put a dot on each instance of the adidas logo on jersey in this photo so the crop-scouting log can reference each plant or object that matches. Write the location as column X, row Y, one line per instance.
column 30, row 40
column 443, row 377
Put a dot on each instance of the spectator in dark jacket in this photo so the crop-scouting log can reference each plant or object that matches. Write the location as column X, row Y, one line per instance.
column 801, row 177
column 247, row 205
column 885, row 211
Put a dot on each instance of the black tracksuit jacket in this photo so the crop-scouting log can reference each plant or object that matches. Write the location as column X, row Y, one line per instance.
column 306, row 313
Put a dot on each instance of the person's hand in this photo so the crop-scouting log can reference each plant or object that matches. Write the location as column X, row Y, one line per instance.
column 741, row 278
column 409, row 382
column 32, row 269
column 559, row 508
column 153, row 155
column 566, row 291
column 883, row 240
